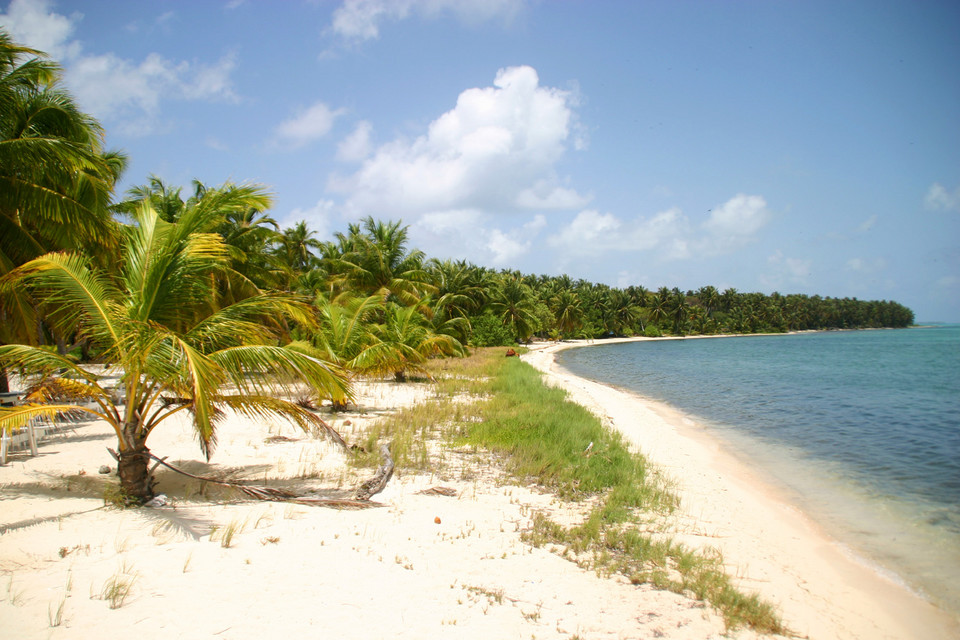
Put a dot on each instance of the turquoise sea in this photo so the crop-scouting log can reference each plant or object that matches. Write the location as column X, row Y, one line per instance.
column 861, row 428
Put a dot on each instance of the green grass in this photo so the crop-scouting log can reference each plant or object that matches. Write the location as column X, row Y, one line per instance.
column 542, row 437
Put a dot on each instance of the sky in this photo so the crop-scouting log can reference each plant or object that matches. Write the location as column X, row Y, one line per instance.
column 801, row 147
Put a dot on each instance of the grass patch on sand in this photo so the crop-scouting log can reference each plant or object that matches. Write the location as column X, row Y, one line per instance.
column 540, row 436
column 564, row 447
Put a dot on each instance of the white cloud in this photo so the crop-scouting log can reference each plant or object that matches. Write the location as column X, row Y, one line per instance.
column 361, row 19
column 473, row 235
column 33, row 24
column 545, row 195
column 505, row 249
column 114, row 88
column 741, row 215
column 358, row 145
column 785, row 270
column 308, row 125
column 668, row 235
column 111, row 87
column 593, row 233
column 590, row 232
column 861, row 265
column 495, row 150
column 867, row 224
column 317, row 217
column 939, row 199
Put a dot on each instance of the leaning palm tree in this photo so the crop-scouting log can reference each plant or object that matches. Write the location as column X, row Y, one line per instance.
column 175, row 355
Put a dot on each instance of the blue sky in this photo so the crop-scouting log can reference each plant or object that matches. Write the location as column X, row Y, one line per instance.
column 800, row 147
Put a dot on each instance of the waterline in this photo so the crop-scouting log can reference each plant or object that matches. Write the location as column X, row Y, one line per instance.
column 861, row 427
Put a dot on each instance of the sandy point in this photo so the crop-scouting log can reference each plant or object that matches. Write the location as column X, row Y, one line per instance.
column 822, row 589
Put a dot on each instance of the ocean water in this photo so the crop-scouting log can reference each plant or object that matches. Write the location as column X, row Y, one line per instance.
column 861, row 428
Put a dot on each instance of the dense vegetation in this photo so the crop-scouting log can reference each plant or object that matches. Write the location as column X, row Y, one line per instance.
column 188, row 291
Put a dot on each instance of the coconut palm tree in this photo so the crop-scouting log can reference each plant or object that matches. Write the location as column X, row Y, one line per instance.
column 377, row 259
column 175, row 355
column 514, row 303
column 55, row 180
column 404, row 342
column 567, row 310
column 295, row 249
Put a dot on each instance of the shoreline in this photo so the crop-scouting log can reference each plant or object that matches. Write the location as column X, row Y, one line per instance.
column 822, row 588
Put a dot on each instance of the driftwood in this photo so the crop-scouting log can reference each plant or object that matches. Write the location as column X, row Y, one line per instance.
column 439, row 491
column 377, row 483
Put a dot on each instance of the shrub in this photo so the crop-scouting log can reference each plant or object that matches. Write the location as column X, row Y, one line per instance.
column 490, row 332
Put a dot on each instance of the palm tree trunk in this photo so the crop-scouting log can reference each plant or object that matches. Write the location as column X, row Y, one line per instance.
column 135, row 480
column 4, row 381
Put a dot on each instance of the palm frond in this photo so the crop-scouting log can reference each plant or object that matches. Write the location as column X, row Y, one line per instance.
column 256, row 366
column 204, row 378
column 260, row 407
column 20, row 416
column 81, row 297
column 42, row 361
column 58, row 388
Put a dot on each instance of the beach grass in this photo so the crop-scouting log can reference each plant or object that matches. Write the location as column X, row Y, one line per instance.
column 540, row 436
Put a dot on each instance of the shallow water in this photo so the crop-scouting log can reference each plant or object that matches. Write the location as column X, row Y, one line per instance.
column 863, row 428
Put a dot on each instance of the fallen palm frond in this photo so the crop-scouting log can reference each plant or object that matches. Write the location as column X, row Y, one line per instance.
column 273, row 494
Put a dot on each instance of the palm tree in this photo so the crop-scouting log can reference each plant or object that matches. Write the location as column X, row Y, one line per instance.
column 346, row 326
column 567, row 310
column 660, row 306
column 514, row 304
column 377, row 259
column 248, row 233
column 404, row 342
column 175, row 355
column 295, row 248
column 679, row 310
column 55, row 179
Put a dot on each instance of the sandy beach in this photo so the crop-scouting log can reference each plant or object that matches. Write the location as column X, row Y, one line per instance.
column 423, row 565
column 822, row 589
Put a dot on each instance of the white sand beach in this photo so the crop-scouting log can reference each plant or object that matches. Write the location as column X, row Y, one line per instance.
column 210, row 565
column 822, row 589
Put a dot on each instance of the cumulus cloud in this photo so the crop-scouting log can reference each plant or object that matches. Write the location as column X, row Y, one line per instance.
column 496, row 150
column 356, row 146
column 114, row 88
column 734, row 224
column 669, row 234
column 129, row 92
column 32, row 23
column 545, row 195
column 477, row 236
column 940, row 199
column 361, row 19
column 783, row 270
column 307, row 125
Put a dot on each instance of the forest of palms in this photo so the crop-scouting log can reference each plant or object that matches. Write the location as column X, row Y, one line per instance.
column 196, row 293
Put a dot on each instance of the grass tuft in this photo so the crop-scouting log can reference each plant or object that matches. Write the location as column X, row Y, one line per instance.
column 118, row 587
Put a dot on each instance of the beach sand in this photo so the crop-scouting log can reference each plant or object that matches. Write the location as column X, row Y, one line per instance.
column 822, row 589
column 209, row 565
